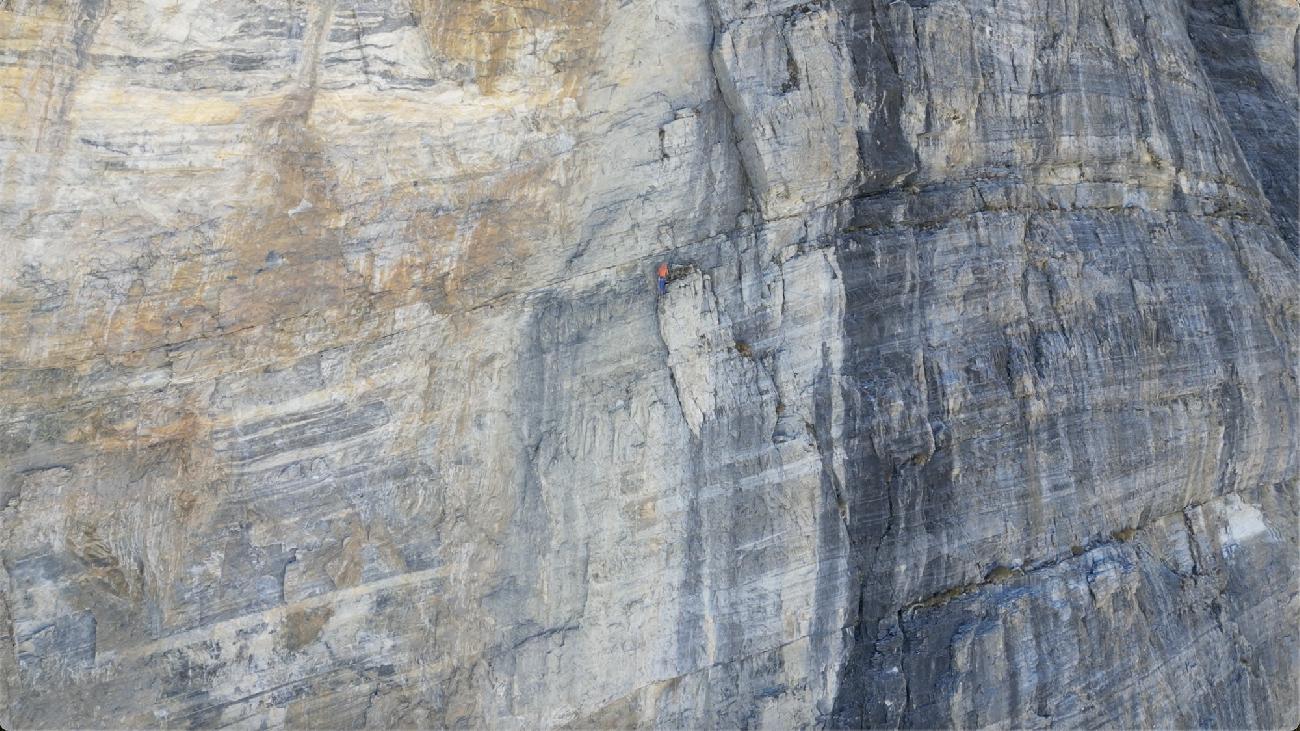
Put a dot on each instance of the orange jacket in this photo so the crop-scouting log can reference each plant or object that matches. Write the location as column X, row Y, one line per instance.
column 663, row 270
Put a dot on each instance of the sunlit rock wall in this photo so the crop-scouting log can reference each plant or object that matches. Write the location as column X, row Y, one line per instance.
column 335, row 389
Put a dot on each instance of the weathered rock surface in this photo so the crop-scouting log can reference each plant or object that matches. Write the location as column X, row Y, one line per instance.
column 336, row 391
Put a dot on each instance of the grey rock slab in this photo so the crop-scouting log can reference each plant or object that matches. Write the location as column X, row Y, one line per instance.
column 336, row 389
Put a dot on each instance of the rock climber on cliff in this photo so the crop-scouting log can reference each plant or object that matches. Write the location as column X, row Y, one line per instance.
column 663, row 277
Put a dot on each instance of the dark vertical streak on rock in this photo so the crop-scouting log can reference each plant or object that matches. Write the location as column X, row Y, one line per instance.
column 886, row 157
column 901, row 670
column 1262, row 124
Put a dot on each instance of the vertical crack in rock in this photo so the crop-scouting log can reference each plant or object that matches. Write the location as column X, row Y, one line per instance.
column 727, row 95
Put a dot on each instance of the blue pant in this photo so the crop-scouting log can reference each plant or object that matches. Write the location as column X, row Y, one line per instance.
column 663, row 285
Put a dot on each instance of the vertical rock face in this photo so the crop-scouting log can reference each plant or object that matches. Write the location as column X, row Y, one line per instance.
column 337, row 391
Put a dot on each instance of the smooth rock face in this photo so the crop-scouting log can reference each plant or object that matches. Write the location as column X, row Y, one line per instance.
column 335, row 390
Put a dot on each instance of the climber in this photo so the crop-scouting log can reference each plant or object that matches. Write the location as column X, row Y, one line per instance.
column 663, row 277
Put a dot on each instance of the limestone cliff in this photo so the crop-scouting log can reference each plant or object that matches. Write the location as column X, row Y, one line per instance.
column 336, row 391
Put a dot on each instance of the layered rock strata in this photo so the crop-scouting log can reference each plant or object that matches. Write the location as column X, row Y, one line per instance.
column 337, row 391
